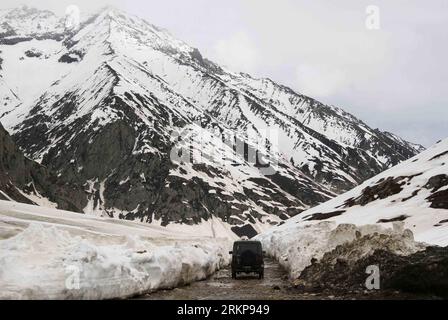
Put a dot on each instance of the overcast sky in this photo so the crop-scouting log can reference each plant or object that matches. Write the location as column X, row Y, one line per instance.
column 394, row 78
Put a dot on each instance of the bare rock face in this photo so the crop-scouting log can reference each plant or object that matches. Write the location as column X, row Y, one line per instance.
column 23, row 180
column 383, row 189
column 438, row 199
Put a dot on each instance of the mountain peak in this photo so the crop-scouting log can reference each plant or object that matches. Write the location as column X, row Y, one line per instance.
column 111, row 11
column 24, row 11
column 119, row 87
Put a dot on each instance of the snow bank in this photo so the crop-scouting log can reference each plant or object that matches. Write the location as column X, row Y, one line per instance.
column 295, row 246
column 401, row 193
column 343, row 270
column 50, row 258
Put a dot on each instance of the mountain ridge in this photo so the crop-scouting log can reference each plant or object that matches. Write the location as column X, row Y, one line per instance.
column 120, row 79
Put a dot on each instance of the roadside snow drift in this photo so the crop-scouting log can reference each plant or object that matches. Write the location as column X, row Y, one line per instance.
column 407, row 201
column 298, row 246
column 53, row 254
column 343, row 270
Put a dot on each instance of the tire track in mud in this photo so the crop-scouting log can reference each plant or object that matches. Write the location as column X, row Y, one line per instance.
column 274, row 286
column 221, row 286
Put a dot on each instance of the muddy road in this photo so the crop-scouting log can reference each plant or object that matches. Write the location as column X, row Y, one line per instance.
column 221, row 286
column 274, row 286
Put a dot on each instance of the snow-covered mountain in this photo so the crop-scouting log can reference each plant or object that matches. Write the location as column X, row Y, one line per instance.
column 397, row 220
column 101, row 106
column 415, row 192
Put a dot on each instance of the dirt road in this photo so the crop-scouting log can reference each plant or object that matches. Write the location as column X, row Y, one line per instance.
column 274, row 286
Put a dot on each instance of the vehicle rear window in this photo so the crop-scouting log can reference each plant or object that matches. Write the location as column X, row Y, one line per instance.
column 243, row 246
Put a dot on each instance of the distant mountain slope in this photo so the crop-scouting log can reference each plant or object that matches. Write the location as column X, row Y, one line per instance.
column 414, row 192
column 101, row 106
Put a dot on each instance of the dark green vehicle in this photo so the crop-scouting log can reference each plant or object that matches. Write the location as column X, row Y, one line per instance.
column 247, row 257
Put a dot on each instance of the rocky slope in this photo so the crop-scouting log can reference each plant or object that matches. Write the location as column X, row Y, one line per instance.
column 397, row 220
column 414, row 192
column 24, row 180
column 117, row 94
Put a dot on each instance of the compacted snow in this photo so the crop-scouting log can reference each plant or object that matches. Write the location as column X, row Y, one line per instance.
column 296, row 246
column 54, row 254
column 406, row 204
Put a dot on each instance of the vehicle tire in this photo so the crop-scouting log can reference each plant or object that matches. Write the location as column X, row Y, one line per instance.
column 260, row 275
column 233, row 275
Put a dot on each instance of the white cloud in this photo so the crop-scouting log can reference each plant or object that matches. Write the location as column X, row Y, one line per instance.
column 320, row 81
column 385, row 77
column 237, row 52
column 321, row 48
